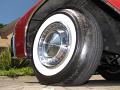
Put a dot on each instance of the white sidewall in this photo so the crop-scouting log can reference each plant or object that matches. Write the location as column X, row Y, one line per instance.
column 64, row 19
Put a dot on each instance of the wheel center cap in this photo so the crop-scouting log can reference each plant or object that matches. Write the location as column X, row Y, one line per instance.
column 53, row 45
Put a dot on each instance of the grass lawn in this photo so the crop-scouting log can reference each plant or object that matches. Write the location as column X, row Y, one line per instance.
column 17, row 72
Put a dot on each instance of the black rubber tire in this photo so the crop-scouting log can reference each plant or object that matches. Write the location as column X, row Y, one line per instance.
column 81, row 66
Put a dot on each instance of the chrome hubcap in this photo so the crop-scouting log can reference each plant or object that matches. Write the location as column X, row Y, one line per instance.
column 54, row 44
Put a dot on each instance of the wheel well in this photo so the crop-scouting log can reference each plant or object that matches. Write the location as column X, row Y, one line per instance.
column 108, row 22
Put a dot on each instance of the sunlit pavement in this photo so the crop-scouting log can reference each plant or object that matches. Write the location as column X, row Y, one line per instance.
column 31, row 83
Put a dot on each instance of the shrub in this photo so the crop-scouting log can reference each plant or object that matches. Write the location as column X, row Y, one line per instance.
column 13, row 67
column 5, row 59
column 1, row 25
column 7, row 63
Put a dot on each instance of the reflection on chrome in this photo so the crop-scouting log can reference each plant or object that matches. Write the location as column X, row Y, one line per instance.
column 54, row 44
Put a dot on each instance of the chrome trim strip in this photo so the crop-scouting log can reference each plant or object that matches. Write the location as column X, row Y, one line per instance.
column 13, row 49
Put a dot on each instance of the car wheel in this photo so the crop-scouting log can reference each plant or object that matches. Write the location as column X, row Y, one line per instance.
column 67, row 48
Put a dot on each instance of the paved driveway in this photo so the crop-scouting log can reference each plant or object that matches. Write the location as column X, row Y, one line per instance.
column 31, row 83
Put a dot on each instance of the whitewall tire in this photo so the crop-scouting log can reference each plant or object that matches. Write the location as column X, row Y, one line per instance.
column 67, row 47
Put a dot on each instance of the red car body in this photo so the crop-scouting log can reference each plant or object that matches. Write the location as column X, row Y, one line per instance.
column 19, row 38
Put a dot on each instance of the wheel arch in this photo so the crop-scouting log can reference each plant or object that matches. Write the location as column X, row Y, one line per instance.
column 110, row 36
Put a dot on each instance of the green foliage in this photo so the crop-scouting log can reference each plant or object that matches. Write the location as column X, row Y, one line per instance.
column 13, row 67
column 17, row 72
column 7, row 63
column 5, row 59
column 1, row 25
column 19, row 63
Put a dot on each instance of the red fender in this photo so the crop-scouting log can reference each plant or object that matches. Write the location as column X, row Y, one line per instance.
column 115, row 4
column 20, row 31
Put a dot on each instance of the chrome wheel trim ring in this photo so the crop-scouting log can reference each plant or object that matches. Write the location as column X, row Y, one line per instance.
column 54, row 45
column 68, row 23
